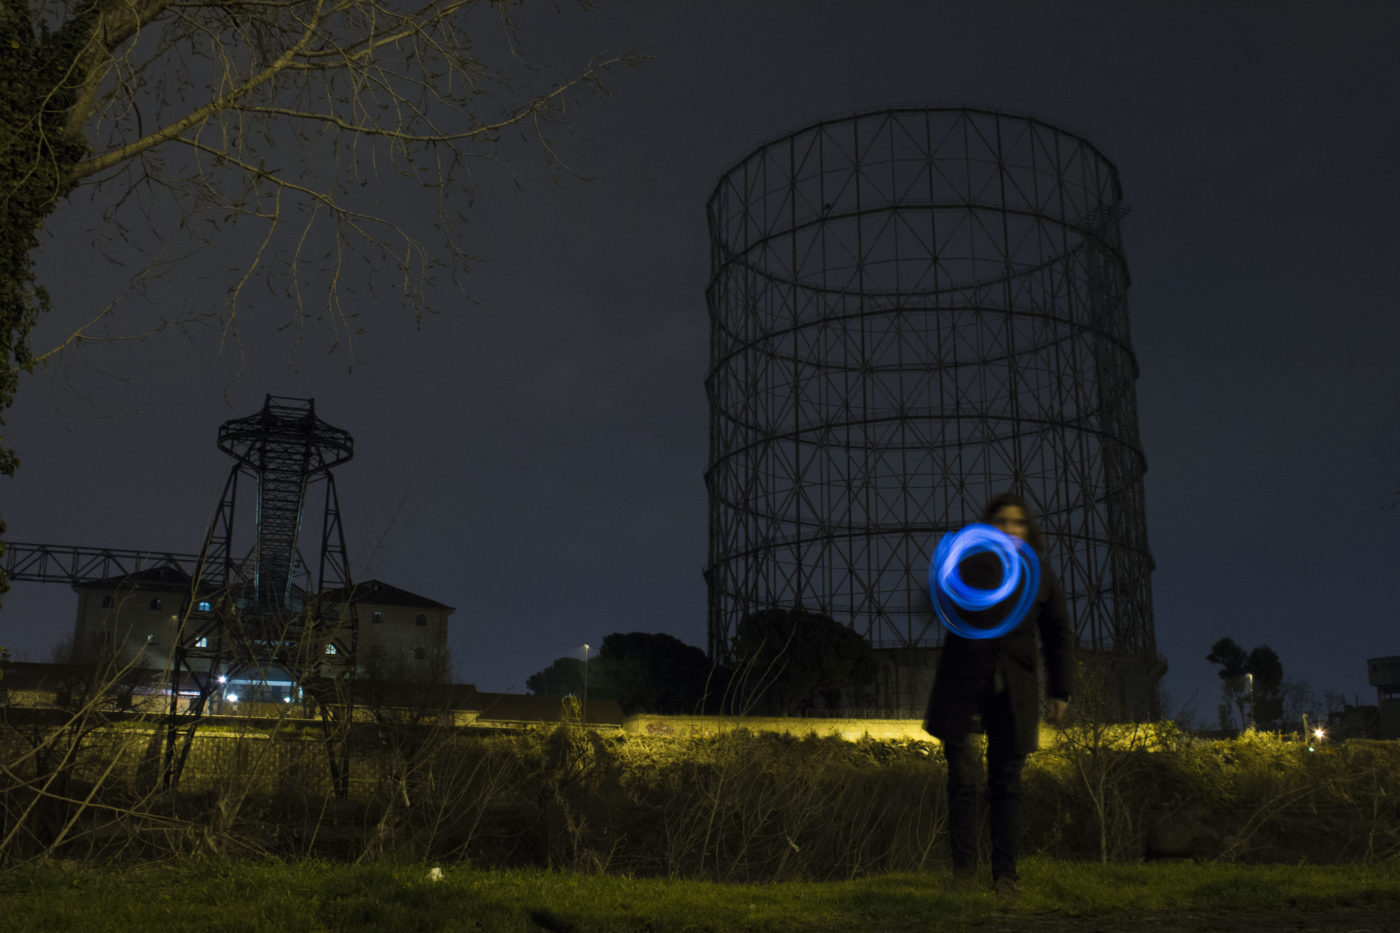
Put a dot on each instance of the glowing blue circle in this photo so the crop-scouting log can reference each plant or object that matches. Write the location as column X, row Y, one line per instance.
column 1019, row 569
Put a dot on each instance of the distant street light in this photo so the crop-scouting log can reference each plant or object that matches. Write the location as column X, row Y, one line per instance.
column 1251, row 701
column 585, row 681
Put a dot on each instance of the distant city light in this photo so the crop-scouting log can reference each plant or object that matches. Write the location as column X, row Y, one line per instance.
column 231, row 697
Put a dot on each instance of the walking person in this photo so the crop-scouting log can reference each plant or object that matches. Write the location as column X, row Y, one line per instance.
column 991, row 685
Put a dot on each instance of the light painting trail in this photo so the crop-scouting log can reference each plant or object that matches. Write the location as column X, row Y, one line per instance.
column 1020, row 569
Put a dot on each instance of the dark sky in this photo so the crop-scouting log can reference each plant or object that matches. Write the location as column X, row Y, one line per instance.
column 535, row 458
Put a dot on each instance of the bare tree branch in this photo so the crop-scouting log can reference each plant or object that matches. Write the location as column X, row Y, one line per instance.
column 290, row 115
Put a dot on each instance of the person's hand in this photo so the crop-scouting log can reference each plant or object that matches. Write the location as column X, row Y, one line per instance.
column 1057, row 712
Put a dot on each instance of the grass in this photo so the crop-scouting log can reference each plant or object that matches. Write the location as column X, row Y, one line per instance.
column 263, row 897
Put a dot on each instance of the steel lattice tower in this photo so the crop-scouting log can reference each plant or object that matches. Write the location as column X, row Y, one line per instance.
column 257, row 615
column 911, row 311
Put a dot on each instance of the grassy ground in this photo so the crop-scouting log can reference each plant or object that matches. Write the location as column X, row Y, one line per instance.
column 224, row 897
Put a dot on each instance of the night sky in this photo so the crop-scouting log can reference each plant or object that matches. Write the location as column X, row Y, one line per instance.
column 534, row 456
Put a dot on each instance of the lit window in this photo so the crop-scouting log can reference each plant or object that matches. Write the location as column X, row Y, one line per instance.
column 202, row 641
column 421, row 620
column 151, row 640
column 330, row 649
column 204, row 606
column 155, row 603
column 376, row 616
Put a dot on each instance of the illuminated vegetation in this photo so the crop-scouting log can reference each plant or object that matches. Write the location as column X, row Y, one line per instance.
column 734, row 807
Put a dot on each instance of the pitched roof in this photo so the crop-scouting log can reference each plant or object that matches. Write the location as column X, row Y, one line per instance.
column 164, row 577
column 379, row 593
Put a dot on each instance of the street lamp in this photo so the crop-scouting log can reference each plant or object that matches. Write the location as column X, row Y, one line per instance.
column 585, row 681
column 1251, row 701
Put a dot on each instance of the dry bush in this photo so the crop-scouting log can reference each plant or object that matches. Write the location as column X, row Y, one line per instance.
column 734, row 806
column 1259, row 797
column 744, row 806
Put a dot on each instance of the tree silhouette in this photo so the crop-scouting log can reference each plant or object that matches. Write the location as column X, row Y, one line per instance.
column 563, row 678
column 789, row 658
column 659, row 673
column 1253, row 679
column 645, row 673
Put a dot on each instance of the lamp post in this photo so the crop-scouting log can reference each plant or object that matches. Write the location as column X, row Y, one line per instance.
column 1251, row 701
column 585, row 682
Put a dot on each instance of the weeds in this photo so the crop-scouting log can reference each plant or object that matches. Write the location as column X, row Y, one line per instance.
column 736, row 807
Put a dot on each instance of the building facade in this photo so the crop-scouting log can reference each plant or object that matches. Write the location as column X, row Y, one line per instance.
column 134, row 621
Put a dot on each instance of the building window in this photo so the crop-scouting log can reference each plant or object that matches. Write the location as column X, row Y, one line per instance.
column 155, row 603
column 421, row 619
column 108, row 602
column 202, row 641
column 330, row 649
column 151, row 640
column 420, row 654
column 376, row 616
column 204, row 606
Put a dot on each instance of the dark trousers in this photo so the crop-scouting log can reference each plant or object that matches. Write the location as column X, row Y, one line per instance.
column 1004, row 795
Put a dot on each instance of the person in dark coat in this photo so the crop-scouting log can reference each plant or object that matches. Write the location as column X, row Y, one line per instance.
column 992, row 685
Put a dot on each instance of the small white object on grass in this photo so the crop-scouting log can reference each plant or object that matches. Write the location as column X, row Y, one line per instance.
column 434, row 874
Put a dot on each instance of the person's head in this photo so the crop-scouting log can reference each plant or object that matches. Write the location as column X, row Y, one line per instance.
column 1010, row 514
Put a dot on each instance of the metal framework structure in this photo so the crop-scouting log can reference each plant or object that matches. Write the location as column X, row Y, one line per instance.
column 256, row 618
column 59, row 563
column 911, row 311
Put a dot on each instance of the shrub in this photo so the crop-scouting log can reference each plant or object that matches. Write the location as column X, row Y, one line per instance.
column 734, row 806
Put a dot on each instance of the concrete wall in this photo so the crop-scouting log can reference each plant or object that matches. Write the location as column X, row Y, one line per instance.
column 852, row 730
column 141, row 622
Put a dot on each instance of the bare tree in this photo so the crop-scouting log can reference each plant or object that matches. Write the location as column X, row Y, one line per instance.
column 187, row 117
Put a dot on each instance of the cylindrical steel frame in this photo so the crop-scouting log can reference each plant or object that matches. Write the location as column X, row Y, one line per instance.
column 911, row 311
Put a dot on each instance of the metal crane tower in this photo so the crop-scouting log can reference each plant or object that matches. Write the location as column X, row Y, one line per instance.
column 255, row 620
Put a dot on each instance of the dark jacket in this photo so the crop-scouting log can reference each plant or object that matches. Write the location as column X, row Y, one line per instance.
column 967, row 669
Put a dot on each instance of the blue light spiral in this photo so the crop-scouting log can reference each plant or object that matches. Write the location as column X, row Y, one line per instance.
column 1019, row 569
